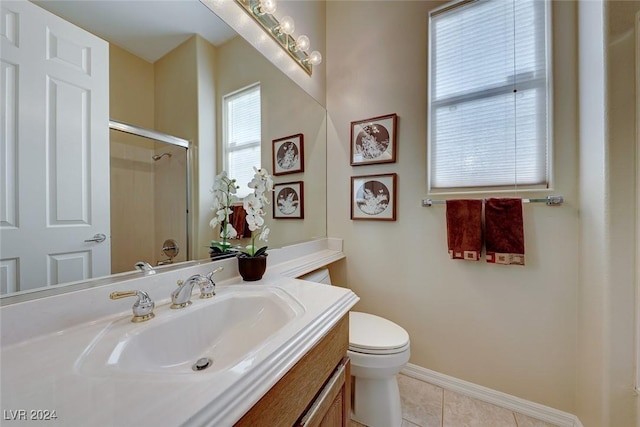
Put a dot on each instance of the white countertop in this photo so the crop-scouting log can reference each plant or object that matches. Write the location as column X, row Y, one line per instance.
column 40, row 371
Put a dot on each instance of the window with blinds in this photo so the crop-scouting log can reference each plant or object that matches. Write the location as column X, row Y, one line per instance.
column 242, row 135
column 489, row 95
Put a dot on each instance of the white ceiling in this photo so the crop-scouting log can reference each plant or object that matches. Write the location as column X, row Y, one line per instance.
column 147, row 28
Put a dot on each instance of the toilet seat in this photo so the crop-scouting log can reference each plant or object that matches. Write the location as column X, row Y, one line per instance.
column 371, row 334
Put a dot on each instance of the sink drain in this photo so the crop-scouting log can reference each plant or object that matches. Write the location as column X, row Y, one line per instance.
column 202, row 364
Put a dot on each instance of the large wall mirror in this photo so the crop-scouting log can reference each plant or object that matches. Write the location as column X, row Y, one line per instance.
column 170, row 63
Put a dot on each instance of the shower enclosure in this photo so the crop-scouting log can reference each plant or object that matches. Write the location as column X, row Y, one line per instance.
column 149, row 196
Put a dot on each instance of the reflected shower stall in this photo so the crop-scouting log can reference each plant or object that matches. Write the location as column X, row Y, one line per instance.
column 149, row 197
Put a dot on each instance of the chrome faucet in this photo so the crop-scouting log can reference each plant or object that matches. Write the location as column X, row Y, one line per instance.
column 143, row 307
column 144, row 266
column 181, row 297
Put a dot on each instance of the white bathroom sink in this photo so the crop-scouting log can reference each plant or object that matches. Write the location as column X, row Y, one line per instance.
column 228, row 330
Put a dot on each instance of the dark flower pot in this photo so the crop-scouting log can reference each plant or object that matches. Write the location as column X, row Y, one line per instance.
column 252, row 268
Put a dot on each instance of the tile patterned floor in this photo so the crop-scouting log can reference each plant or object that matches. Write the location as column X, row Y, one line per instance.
column 426, row 405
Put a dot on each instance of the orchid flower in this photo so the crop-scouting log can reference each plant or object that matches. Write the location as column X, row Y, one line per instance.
column 254, row 203
column 224, row 190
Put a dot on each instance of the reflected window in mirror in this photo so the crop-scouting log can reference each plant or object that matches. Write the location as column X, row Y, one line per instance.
column 242, row 135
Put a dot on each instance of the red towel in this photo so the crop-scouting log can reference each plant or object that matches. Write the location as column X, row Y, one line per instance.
column 504, row 231
column 238, row 220
column 464, row 229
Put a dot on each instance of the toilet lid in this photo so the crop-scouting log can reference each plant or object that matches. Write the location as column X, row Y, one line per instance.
column 373, row 334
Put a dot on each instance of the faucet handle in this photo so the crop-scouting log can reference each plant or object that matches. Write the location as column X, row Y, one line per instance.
column 142, row 308
column 145, row 267
column 208, row 287
column 217, row 270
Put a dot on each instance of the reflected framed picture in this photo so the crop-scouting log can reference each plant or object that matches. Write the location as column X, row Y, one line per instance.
column 288, row 200
column 373, row 197
column 288, row 155
column 374, row 140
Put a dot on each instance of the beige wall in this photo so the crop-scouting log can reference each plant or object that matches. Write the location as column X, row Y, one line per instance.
column 606, row 363
column 131, row 82
column 593, row 179
column 593, row 202
column 205, row 168
column 147, row 197
column 176, row 113
column 621, row 93
column 505, row 327
column 309, row 16
column 131, row 86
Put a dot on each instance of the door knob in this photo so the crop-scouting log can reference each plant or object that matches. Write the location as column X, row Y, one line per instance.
column 98, row 238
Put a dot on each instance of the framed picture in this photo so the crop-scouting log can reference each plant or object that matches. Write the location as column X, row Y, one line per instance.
column 373, row 197
column 288, row 200
column 374, row 140
column 288, row 155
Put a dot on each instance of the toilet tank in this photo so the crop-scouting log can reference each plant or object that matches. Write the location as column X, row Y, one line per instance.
column 319, row 276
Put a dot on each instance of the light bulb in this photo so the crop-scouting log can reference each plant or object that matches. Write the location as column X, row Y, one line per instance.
column 287, row 26
column 302, row 43
column 315, row 58
column 266, row 6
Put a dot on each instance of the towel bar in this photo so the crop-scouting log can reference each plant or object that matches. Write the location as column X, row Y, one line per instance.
column 549, row 201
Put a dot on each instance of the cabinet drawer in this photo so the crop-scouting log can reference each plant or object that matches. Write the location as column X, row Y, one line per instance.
column 285, row 403
column 331, row 407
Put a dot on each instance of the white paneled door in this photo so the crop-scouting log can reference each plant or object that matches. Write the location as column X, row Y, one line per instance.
column 54, row 189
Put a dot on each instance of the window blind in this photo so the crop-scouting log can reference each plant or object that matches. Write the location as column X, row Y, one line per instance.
column 242, row 135
column 488, row 102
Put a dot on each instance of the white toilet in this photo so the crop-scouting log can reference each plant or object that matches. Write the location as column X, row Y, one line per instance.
column 378, row 349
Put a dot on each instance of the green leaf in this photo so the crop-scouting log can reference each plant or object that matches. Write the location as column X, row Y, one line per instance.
column 221, row 246
column 261, row 251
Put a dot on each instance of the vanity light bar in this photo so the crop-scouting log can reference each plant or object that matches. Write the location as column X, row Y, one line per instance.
column 549, row 201
column 271, row 25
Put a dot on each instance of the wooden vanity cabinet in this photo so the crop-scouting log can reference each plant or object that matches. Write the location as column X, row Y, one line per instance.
column 331, row 407
column 315, row 392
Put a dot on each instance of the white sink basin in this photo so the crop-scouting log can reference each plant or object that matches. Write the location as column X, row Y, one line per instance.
column 227, row 329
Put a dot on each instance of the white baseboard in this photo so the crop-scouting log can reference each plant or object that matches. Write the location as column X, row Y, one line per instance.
column 498, row 398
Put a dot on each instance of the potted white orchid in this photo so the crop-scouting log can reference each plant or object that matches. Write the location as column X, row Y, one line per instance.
column 224, row 190
column 252, row 261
